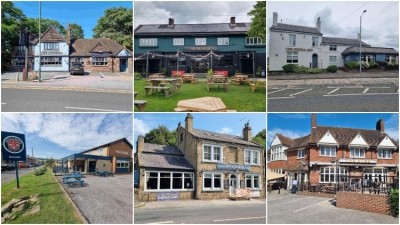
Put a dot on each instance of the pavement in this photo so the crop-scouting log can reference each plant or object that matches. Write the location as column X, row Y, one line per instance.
column 95, row 81
column 338, row 75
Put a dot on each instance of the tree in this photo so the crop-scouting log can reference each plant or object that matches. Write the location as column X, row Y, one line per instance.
column 76, row 31
column 116, row 24
column 50, row 163
column 261, row 138
column 258, row 20
column 161, row 135
column 33, row 25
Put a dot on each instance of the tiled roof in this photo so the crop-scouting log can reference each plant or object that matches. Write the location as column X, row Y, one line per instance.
column 52, row 35
column 374, row 50
column 285, row 140
column 162, row 149
column 190, row 29
column 294, row 143
column 164, row 161
column 295, row 28
column 83, row 47
column 342, row 41
column 209, row 135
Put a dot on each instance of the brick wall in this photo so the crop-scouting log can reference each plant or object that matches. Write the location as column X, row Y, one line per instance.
column 363, row 202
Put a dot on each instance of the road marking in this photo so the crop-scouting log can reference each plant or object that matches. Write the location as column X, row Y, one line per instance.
column 276, row 91
column 357, row 87
column 361, row 94
column 244, row 218
column 289, row 201
column 333, row 91
column 365, row 91
column 279, row 98
column 4, row 103
column 309, row 206
column 301, row 92
column 93, row 109
column 161, row 222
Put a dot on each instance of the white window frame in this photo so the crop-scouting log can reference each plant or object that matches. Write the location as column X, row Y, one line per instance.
column 122, row 164
column 223, row 41
column 221, row 158
column 292, row 57
column 333, row 48
column 213, row 188
column 100, row 151
column 357, row 152
column 254, row 154
column 315, row 41
column 278, row 153
column 200, row 41
column 332, row 172
column 50, row 46
column 99, row 61
column 292, row 40
column 390, row 59
column 385, row 153
column 333, row 59
column 251, row 177
column 371, row 58
column 50, row 61
column 190, row 176
column 148, row 42
column 254, row 41
column 330, row 150
column 178, row 41
column 301, row 153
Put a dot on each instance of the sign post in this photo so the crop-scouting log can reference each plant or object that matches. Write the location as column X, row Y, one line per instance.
column 13, row 148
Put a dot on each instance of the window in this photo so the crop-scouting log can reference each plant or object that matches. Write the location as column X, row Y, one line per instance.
column 20, row 61
column 357, row 152
column 300, row 153
column 227, row 60
column 122, row 164
column 251, row 157
column 332, row 47
column 51, row 61
column 277, row 153
column 252, row 181
column 157, row 181
column 363, row 58
column 50, row 46
column 223, row 41
column 333, row 59
column 78, row 59
column 314, row 41
column 21, row 48
column 370, row 58
column 384, row 153
column 328, row 174
column 200, row 41
column 148, row 42
column 100, row 151
column 212, row 153
column 327, row 151
column 99, row 61
column 292, row 39
column 254, row 41
column 390, row 59
column 292, row 57
column 212, row 181
column 178, row 41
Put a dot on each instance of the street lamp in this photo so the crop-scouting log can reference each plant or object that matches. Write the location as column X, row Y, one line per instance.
column 360, row 37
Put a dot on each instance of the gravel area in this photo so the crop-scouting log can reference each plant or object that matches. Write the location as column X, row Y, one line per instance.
column 104, row 200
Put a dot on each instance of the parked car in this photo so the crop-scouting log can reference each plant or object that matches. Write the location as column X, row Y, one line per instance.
column 77, row 68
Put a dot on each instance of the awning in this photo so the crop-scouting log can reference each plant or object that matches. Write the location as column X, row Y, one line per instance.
column 273, row 176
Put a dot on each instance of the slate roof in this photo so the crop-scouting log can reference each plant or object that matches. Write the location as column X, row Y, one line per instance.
column 162, row 149
column 373, row 50
column 83, row 47
column 209, row 135
column 191, row 29
column 342, row 41
column 295, row 28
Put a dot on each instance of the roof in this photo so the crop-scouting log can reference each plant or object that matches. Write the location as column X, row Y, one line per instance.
column 295, row 28
column 121, row 139
column 84, row 47
column 374, row 50
column 294, row 143
column 285, row 140
column 52, row 35
column 192, row 29
column 161, row 149
column 342, row 41
column 209, row 135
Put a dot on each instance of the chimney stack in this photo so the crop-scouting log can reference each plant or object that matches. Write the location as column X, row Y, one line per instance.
column 313, row 120
column 189, row 122
column 233, row 21
column 380, row 125
column 319, row 24
column 171, row 22
column 275, row 19
column 140, row 144
column 247, row 132
column 69, row 34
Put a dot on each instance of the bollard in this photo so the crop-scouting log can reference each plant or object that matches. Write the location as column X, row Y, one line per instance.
column 17, row 78
column 279, row 190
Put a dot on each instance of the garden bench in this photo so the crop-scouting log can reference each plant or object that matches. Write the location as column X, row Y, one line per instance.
column 71, row 182
column 165, row 89
column 217, row 80
column 141, row 105
column 260, row 83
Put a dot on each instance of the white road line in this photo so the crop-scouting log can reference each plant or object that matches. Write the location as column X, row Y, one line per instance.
column 365, row 91
column 4, row 103
column 361, row 94
column 357, row 87
column 332, row 91
column 289, row 202
column 300, row 92
column 162, row 222
column 245, row 218
column 93, row 109
column 279, row 98
column 308, row 207
column 276, row 91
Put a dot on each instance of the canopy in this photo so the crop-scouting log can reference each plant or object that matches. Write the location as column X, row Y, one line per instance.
column 273, row 176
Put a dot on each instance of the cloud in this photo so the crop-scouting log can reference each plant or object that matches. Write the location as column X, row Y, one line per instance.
column 225, row 130
column 294, row 116
column 141, row 127
column 392, row 126
column 287, row 133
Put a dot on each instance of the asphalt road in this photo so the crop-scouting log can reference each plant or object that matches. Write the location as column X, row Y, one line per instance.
column 203, row 214
column 298, row 209
column 7, row 176
column 35, row 100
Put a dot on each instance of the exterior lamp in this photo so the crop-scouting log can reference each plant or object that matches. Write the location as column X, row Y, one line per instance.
column 360, row 36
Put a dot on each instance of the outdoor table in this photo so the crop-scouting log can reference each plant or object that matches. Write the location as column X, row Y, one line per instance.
column 240, row 78
column 204, row 104
column 217, row 80
column 157, row 84
column 188, row 77
column 75, row 176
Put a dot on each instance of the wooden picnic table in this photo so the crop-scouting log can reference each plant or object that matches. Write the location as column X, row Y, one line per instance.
column 217, row 80
column 189, row 77
column 239, row 78
column 258, row 83
column 169, row 86
column 204, row 104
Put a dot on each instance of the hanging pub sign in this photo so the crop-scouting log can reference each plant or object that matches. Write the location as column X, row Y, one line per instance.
column 13, row 146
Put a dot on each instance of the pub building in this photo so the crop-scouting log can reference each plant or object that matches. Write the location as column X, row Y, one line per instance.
column 202, row 165
column 115, row 157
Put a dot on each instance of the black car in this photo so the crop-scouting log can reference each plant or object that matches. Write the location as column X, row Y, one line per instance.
column 77, row 68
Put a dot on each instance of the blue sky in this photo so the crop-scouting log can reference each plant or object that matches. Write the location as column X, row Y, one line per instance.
column 56, row 135
column 297, row 124
column 228, row 123
column 84, row 13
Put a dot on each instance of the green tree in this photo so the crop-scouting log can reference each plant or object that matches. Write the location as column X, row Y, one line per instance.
column 160, row 135
column 76, row 31
column 33, row 25
column 258, row 20
column 116, row 24
column 261, row 138
column 50, row 163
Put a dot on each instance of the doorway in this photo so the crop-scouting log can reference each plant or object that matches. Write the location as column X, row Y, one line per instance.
column 92, row 166
column 122, row 65
column 314, row 61
column 232, row 184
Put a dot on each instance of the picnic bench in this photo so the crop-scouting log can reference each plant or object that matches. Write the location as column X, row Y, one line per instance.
column 140, row 105
column 217, row 80
column 259, row 83
column 203, row 104
column 168, row 86
column 189, row 78
column 73, row 178
column 238, row 79
column 329, row 189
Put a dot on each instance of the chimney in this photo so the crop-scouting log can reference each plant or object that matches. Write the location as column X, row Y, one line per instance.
column 313, row 120
column 380, row 125
column 140, row 144
column 171, row 22
column 247, row 132
column 319, row 24
column 189, row 122
column 233, row 21
column 275, row 19
column 69, row 35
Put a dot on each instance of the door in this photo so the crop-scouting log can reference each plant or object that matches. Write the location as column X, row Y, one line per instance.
column 92, row 166
column 314, row 61
column 122, row 65
column 232, row 184
column 199, row 65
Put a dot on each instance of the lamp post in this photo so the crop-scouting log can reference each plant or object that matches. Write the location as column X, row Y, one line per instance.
column 360, row 36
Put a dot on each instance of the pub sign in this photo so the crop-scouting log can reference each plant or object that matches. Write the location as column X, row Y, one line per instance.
column 13, row 146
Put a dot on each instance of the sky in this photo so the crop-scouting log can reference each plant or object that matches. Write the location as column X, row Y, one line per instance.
column 380, row 24
column 56, row 135
column 227, row 123
column 296, row 125
column 191, row 12
column 84, row 13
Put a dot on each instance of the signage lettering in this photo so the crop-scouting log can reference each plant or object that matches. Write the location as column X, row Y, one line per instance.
column 232, row 167
column 121, row 152
column 357, row 161
column 200, row 48
column 299, row 49
column 51, row 53
column 167, row 196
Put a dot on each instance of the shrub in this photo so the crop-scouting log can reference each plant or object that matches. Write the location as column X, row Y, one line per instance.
column 40, row 171
column 300, row 69
column 332, row 69
column 137, row 76
column 394, row 201
column 352, row 64
column 314, row 70
column 382, row 64
column 289, row 68
column 373, row 65
column 392, row 66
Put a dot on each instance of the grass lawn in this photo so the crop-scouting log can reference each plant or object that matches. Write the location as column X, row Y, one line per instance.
column 238, row 97
column 54, row 205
